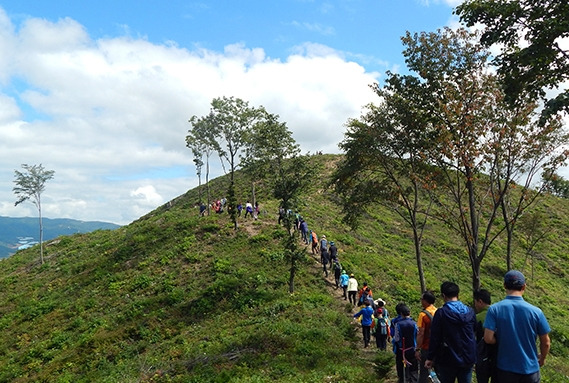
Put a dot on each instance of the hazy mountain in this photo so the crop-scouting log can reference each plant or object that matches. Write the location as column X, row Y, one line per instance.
column 17, row 232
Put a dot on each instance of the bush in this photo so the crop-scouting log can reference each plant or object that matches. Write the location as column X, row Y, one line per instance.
column 383, row 363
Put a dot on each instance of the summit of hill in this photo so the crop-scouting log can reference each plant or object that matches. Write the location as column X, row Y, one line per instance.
column 175, row 297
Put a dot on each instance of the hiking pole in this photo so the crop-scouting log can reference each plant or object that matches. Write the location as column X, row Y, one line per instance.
column 403, row 360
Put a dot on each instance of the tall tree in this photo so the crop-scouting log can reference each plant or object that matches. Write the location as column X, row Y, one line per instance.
column 291, row 177
column 202, row 143
column 383, row 162
column 478, row 144
column 520, row 150
column 230, row 120
column 268, row 143
column 273, row 154
column 533, row 57
column 30, row 185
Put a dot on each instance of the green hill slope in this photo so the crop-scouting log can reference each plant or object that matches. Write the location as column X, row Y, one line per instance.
column 177, row 298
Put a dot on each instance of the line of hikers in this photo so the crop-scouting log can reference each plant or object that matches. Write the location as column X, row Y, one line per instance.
column 447, row 344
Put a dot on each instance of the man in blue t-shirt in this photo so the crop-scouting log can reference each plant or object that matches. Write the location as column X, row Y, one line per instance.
column 515, row 325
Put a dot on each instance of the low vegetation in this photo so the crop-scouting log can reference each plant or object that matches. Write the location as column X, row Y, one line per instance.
column 174, row 297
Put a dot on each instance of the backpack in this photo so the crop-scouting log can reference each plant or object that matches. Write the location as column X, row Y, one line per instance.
column 485, row 359
column 383, row 329
column 428, row 330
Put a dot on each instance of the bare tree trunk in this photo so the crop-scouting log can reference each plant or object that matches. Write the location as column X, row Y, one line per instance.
column 207, row 186
column 41, row 232
column 509, row 235
column 418, row 256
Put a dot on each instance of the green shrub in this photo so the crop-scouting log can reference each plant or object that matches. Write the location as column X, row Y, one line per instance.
column 210, row 228
column 383, row 363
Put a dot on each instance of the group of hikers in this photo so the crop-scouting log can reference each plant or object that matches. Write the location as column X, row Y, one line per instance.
column 444, row 344
column 219, row 206
column 375, row 318
column 447, row 344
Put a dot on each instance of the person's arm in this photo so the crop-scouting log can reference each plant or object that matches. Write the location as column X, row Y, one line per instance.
column 544, row 345
column 489, row 336
column 420, row 336
column 435, row 339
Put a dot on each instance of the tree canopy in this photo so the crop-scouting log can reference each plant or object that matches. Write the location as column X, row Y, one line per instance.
column 445, row 130
column 534, row 59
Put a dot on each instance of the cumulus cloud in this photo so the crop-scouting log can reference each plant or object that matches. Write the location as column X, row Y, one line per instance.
column 109, row 116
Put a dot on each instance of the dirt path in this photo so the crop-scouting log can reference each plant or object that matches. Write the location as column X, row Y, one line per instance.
column 337, row 292
column 368, row 354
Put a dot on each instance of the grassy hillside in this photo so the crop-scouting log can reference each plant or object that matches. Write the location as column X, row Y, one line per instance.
column 177, row 298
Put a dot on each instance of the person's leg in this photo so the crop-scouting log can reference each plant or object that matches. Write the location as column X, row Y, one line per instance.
column 344, row 288
column 399, row 366
column 511, row 377
column 411, row 373
column 353, row 298
column 464, row 375
column 446, row 373
column 383, row 342
column 423, row 372
column 366, row 334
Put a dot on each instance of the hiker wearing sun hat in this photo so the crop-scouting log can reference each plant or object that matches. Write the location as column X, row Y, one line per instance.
column 514, row 325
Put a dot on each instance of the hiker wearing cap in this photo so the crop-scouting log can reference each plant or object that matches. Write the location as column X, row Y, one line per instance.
column 380, row 330
column 352, row 289
column 344, row 283
column 380, row 303
column 515, row 325
column 337, row 271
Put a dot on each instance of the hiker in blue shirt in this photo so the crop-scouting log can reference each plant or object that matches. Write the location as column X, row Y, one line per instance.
column 367, row 318
column 514, row 325
column 344, row 283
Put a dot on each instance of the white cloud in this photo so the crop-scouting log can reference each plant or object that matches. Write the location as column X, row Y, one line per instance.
column 450, row 3
column 110, row 115
column 147, row 195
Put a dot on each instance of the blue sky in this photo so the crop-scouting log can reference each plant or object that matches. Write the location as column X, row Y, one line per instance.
column 365, row 30
column 101, row 91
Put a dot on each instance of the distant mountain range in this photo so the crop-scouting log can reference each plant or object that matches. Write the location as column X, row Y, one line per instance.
column 18, row 233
